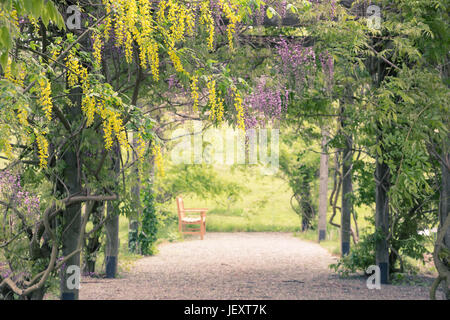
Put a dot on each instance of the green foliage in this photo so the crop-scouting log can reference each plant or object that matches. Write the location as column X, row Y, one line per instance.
column 199, row 180
column 361, row 256
column 149, row 224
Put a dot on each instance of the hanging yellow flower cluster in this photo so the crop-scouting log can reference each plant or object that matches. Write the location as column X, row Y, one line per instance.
column 145, row 36
column 5, row 145
column 220, row 109
column 108, row 19
column 194, row 92
column 207, row 20
column 177, row 18
column 216, row 103
column 140, row 145
column 131, row 17
column 156, row 151
column 230, row 12
column 76, row 72
column 55, row 50
column 42, row 149
column 45, row 99
column 97, row 51
column 134, row 20
column 154, row 58
column 88, row 106
column 113, row 124
column 15, row 18
column 22, row 115
column 19, row 76
column 239, row 109
column 212, row 97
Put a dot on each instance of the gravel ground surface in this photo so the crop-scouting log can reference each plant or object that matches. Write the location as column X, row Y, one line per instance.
column 242, row 266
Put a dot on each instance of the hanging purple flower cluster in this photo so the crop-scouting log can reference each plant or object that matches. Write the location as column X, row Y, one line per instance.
column 333, row 9
column 11, row 189
column 281, row 8
column 265, row 104
column 297, row 61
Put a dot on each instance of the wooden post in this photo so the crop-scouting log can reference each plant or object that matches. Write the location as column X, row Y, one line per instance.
column 382, row 177
column 323, row 187
column 346, row 208
column 71, row 219
column 112, row 226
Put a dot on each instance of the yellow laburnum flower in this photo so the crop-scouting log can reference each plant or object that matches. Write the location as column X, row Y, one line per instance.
column 161, row 11
column 76, row 72
column 22, row 115
column 107, row 129
column 42, row 149
column 18, row 79
column 15, row 18
column 97, row 51
column 119, row 129
column 130, row 18
column 55, row 51
column 207, row 19
column 45, row 98
column 120, row 24
column 194, row 92
column 156, row 151
column 177, row 19
column 140, row 145
column 220, row 109
column 143, row 38
column 190, row 22
column 108, row 20
column 5, row 145
column 88, row 107
column 152, row 52
column 233, row 19
column 211, row 85
column 175, row 60
column 239, row 109
column 113, row 126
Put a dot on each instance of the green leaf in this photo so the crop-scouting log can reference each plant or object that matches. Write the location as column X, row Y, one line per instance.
column 292, row 8
column 45, row 18
column 36, row 8
column 270, row 12
column 5, row 37
column 52, row 11
column 4, row 59
column 27, row 5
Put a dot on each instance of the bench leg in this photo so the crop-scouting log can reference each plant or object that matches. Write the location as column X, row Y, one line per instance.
column 202, row 230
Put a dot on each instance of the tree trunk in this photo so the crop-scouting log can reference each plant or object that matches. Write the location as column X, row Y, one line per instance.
column 445, row 194
column 112, row 226
column 382, row 177
column 323, row 187
column 306, row 208
column 71, row 218
column 133, row 226
column 93, row 242
column 112, row 239
column 347, row 206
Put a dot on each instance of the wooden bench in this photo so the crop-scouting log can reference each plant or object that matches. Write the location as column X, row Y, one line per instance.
column 188, row 220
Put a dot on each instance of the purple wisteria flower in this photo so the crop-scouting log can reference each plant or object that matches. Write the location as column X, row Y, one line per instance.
column 265, row 104
column 12, row 190
column 298, row 61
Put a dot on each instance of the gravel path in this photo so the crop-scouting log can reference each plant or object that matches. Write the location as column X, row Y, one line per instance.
column 240, row 266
